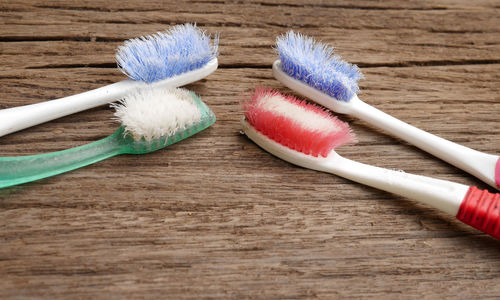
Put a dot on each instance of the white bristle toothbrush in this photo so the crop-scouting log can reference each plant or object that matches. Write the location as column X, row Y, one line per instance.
column 305, row 135
column 152, row 118
column 311, row 69
column 176, row 57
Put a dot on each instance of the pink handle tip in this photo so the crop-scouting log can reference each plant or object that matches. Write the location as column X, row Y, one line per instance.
column 481, row 210
column 497, row 173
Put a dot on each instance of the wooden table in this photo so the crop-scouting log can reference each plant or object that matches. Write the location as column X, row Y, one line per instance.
column 215, row 216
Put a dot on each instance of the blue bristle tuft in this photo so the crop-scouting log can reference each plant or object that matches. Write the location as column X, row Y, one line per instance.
column 165, row 54
column 315, row 64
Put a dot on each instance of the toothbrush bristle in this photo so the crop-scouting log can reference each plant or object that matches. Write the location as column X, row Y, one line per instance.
column 294, row 123
column 315, row 64
column 165, row 54
column 152, row 113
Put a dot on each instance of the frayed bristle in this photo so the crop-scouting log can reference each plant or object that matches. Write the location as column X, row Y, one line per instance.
column 165, row 54
column 315, row 64
column 295, row 123
column 152, row 113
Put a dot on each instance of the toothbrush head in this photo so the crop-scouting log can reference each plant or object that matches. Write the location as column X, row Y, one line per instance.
column 295, row 124
column 162, row 55
column 153, row 118
column 315, row 64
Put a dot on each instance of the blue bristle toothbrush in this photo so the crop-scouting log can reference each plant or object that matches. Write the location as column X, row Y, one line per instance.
column 152, row 118
column 176, row 57
column 310, row 68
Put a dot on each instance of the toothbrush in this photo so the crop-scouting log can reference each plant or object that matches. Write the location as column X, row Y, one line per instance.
column 169, row 59
column 306, row 135
column 152, row 118
column 311, row 69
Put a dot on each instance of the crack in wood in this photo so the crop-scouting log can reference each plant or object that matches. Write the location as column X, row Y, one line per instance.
column 17, row 39
column 402, row 64
column 430, row 63
column 353, row 7
column 96, row 9
column 71, row 66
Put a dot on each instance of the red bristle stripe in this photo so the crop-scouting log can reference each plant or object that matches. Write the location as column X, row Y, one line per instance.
column 289, row 132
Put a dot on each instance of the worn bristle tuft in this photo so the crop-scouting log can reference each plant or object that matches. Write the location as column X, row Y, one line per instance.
column 315, row 64
column 150, row 113
column 165, row 54
column 294, row 123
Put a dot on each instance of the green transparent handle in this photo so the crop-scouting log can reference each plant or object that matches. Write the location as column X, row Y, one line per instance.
column 22, row 169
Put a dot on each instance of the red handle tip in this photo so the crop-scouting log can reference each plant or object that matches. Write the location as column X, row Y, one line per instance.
column 481, row 210
column 497, row 173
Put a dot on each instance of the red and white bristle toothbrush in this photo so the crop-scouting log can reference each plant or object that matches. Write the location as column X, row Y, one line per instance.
column 305, row 135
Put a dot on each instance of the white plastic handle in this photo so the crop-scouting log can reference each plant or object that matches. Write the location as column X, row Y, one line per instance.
column 441, row 194
column 18, row 118
column 21, row 117
column 444, row 195
column 482, row 165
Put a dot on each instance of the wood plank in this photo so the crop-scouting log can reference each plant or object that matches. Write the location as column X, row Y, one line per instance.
column 361, row 34
column 255, row 16
column 390, row 48
column 185, row 5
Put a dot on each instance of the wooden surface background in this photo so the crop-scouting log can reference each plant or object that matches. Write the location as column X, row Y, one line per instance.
column 215, row 216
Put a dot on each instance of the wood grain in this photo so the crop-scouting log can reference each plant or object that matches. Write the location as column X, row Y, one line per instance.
column 215, row 216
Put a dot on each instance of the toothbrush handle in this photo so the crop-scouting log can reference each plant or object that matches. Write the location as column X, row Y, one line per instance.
column 22, row 169
column 21, row 117
column 484, row 166
column 479, row 209
column 441, row 194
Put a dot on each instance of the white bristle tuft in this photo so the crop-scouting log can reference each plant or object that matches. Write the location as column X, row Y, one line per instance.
column 306, row 118
column 151, row 113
